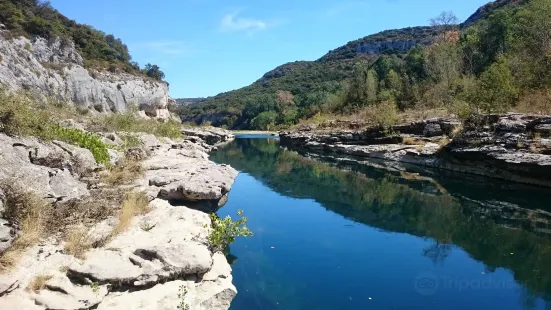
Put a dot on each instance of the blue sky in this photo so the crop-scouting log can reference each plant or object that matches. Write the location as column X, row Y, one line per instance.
column 210, row 46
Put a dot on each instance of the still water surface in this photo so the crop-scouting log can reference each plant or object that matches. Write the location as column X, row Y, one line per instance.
column 343, row 236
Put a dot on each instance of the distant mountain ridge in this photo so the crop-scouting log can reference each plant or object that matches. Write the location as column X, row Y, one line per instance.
column 306, row 79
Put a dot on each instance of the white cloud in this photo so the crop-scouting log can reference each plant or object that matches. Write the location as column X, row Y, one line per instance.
column 232, row 23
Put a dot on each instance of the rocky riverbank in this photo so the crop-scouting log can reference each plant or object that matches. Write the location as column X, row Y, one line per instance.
column 513, row 147
column 161, row 260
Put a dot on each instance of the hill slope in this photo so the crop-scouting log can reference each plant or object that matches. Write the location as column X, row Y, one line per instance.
column 400, row 69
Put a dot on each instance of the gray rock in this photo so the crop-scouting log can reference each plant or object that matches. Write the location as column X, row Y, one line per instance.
column 114, row 138
column 543, row 128
column 211, row 135
column 206, row 295
column 115, row 157
column 27, row 162
column 66, row 187
column 149, row 141
column 7, row 235
column 63, row 294
column 432, row 130
column 71, row 124
column 177, row 176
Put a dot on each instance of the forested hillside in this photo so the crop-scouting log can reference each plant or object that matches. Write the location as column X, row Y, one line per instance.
column 32, row 18
column 498, row 61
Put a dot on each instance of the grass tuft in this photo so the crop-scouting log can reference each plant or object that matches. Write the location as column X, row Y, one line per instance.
column 78, row 242
column 124, row 173
column 133, row 205
column 38, row 283
column 31, row 212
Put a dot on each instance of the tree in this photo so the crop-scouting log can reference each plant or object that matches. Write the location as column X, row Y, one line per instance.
column 443, row 66
column 496, row 91
column 394, row 83
column 153, row 71
column 371, row 86
column 264, row 120
column 446, row 21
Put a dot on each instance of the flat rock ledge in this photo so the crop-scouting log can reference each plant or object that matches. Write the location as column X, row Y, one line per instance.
column 162, row 254
column 513, row 147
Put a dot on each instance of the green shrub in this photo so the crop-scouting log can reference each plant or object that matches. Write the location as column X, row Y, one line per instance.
column 85, row 140
column 225, row 230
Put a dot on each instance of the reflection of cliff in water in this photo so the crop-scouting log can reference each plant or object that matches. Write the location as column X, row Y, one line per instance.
column 488, row 220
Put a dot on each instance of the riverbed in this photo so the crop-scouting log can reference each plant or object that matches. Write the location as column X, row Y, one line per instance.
column 336, row 235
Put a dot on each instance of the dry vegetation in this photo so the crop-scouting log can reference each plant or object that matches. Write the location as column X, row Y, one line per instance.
column 124, row 173
column 133, row 205
column 78, row 242
column 31, row 212
column 38, row 283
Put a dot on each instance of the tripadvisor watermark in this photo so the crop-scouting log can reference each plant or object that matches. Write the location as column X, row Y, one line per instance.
column 427, row 283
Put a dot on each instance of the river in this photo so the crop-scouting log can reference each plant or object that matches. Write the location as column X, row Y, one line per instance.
column 338, row 235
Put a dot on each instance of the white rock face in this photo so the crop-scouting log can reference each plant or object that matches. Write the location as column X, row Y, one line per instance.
column 56, row 70
column 146, row 267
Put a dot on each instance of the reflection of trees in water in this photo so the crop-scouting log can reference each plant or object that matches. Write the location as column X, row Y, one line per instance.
column 437, row 253
column 395, row 203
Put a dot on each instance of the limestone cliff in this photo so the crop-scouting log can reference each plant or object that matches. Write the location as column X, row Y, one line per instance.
column 55, row 69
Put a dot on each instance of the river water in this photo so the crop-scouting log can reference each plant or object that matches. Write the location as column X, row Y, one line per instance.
column 337, row 235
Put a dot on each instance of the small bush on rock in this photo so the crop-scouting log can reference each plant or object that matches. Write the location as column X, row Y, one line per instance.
column 225, row 230
column 85, row 140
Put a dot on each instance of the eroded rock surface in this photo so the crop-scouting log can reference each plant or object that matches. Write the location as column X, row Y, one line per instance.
column 55, row 69
column 515, row 147
column 47, row 169
column 181, row 173
column 160, row 255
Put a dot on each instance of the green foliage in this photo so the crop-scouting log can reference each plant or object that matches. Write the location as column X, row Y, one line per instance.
column 85, row 140
column 496, row 91
column 153, row 71
column 385, row 114
column 95, row 287
column 264, row 120
column 38, row 18
column 225, row 230
column 130, row 122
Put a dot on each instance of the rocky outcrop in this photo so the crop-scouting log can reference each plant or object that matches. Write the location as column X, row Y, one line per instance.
column 379, row 47
column 211, row 136
column 55, row 70
column 182, row 174
column 49, row 170
column 162, row 259
column 513, row 147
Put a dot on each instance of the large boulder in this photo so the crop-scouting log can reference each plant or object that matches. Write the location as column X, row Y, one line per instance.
column 186, row 176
